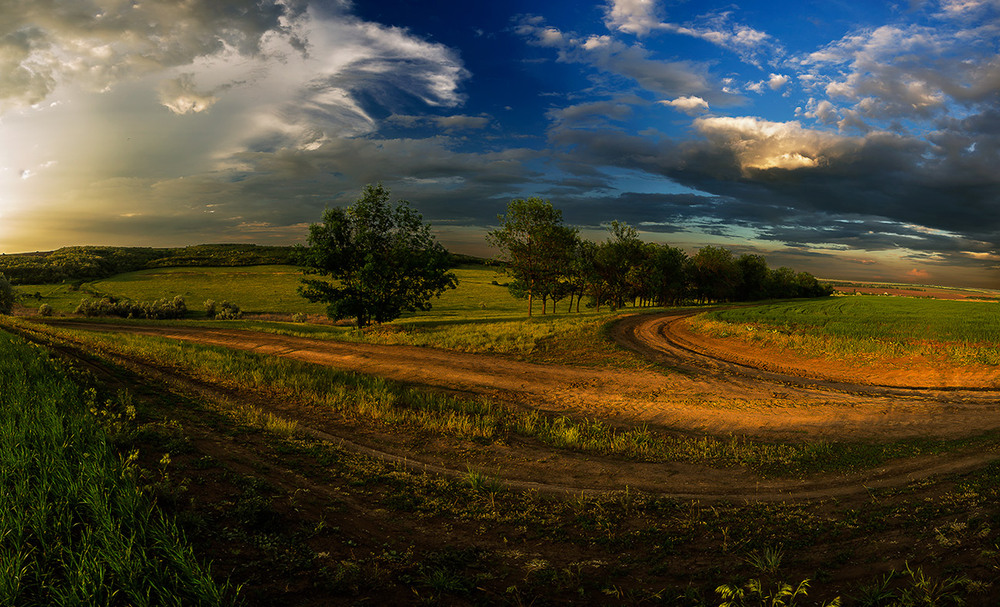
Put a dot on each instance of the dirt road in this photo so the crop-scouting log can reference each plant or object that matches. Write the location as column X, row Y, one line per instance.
column 697, row 389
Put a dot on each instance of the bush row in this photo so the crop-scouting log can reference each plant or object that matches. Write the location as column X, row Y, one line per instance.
column 110, row 306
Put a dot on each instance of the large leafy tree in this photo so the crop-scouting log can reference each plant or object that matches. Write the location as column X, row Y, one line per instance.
column 382, row 258
column 534, row 245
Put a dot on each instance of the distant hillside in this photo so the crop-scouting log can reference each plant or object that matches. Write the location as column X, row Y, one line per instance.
column 94, row 262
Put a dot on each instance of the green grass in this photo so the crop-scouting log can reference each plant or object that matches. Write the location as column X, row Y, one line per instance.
column 266, row 289
column 478, row 316
column 963, row 332
column 74, row 527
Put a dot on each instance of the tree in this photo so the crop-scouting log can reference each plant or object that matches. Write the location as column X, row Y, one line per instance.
column 668, row 280
column 753, row 277
column 619, row 261
column 714, row 273
column 6, row 295
column 535, row 246
column 384, row 259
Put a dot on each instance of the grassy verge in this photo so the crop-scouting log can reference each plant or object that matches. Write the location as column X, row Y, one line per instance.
column 74, row 527
column 867, row 328
column 375, row 400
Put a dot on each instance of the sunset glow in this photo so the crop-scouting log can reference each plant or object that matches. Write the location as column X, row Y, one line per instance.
column 818, row 135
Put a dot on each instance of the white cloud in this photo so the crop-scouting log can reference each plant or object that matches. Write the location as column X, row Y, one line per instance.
column 689, row 105
column 777, row 81
column 101, row 44
column 640, row 17
column 823, row 111
column 632, row 16
column 762, row 144
column 913, row 72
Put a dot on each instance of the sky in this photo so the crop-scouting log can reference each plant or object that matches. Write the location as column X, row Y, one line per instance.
column 854, row 140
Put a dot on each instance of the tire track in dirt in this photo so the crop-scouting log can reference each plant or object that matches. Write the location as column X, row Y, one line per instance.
column 628, row 396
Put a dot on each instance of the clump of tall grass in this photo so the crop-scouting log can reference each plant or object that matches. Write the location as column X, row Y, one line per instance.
column 74, row 527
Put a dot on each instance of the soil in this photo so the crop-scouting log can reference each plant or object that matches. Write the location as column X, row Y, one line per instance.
column 313, row 521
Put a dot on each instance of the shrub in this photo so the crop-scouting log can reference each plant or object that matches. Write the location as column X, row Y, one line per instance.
column 210, row 308
column 228, row 311
column 110, row 306
column 45, row 310
column 299, row 317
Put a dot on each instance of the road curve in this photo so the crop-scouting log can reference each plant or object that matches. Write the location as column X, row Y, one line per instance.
column 543, row 469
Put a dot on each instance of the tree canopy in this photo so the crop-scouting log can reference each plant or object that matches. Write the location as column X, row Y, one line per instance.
column 535, row 246
column 383, row 260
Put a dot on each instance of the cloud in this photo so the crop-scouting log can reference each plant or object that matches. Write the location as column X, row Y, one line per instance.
column 777, row 81
column 918, row 274
column 591, row 114
column 632, row 16
column 667, row 78
column 180, row 96
column 64, row 41
column 640, row 17
column 909, row 71
column 451, row 123
column 689, row 105
column 761, row 144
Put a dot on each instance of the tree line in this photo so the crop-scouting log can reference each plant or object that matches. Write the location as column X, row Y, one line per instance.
column 93, row 262
column 549, row 261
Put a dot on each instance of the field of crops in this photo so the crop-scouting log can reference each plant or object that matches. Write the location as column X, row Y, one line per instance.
column 845, row 327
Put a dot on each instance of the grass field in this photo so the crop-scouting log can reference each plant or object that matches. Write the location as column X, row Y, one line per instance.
column 75, row 528
column 264, row 289
column 478, row 316
column 468, row 540
column 964, row 332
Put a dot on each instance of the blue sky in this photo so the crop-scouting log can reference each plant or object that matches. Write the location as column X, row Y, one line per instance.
column 850, row 139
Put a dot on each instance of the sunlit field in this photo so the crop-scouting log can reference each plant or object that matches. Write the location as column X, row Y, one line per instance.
column 846, row 327
column 294, row 504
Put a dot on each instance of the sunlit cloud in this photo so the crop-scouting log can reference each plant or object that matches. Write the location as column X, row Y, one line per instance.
column 688, row 105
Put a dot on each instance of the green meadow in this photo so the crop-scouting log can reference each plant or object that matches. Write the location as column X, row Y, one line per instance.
column 264, row 289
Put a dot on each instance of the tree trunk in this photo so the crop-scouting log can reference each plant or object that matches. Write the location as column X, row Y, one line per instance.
column 529, row 303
